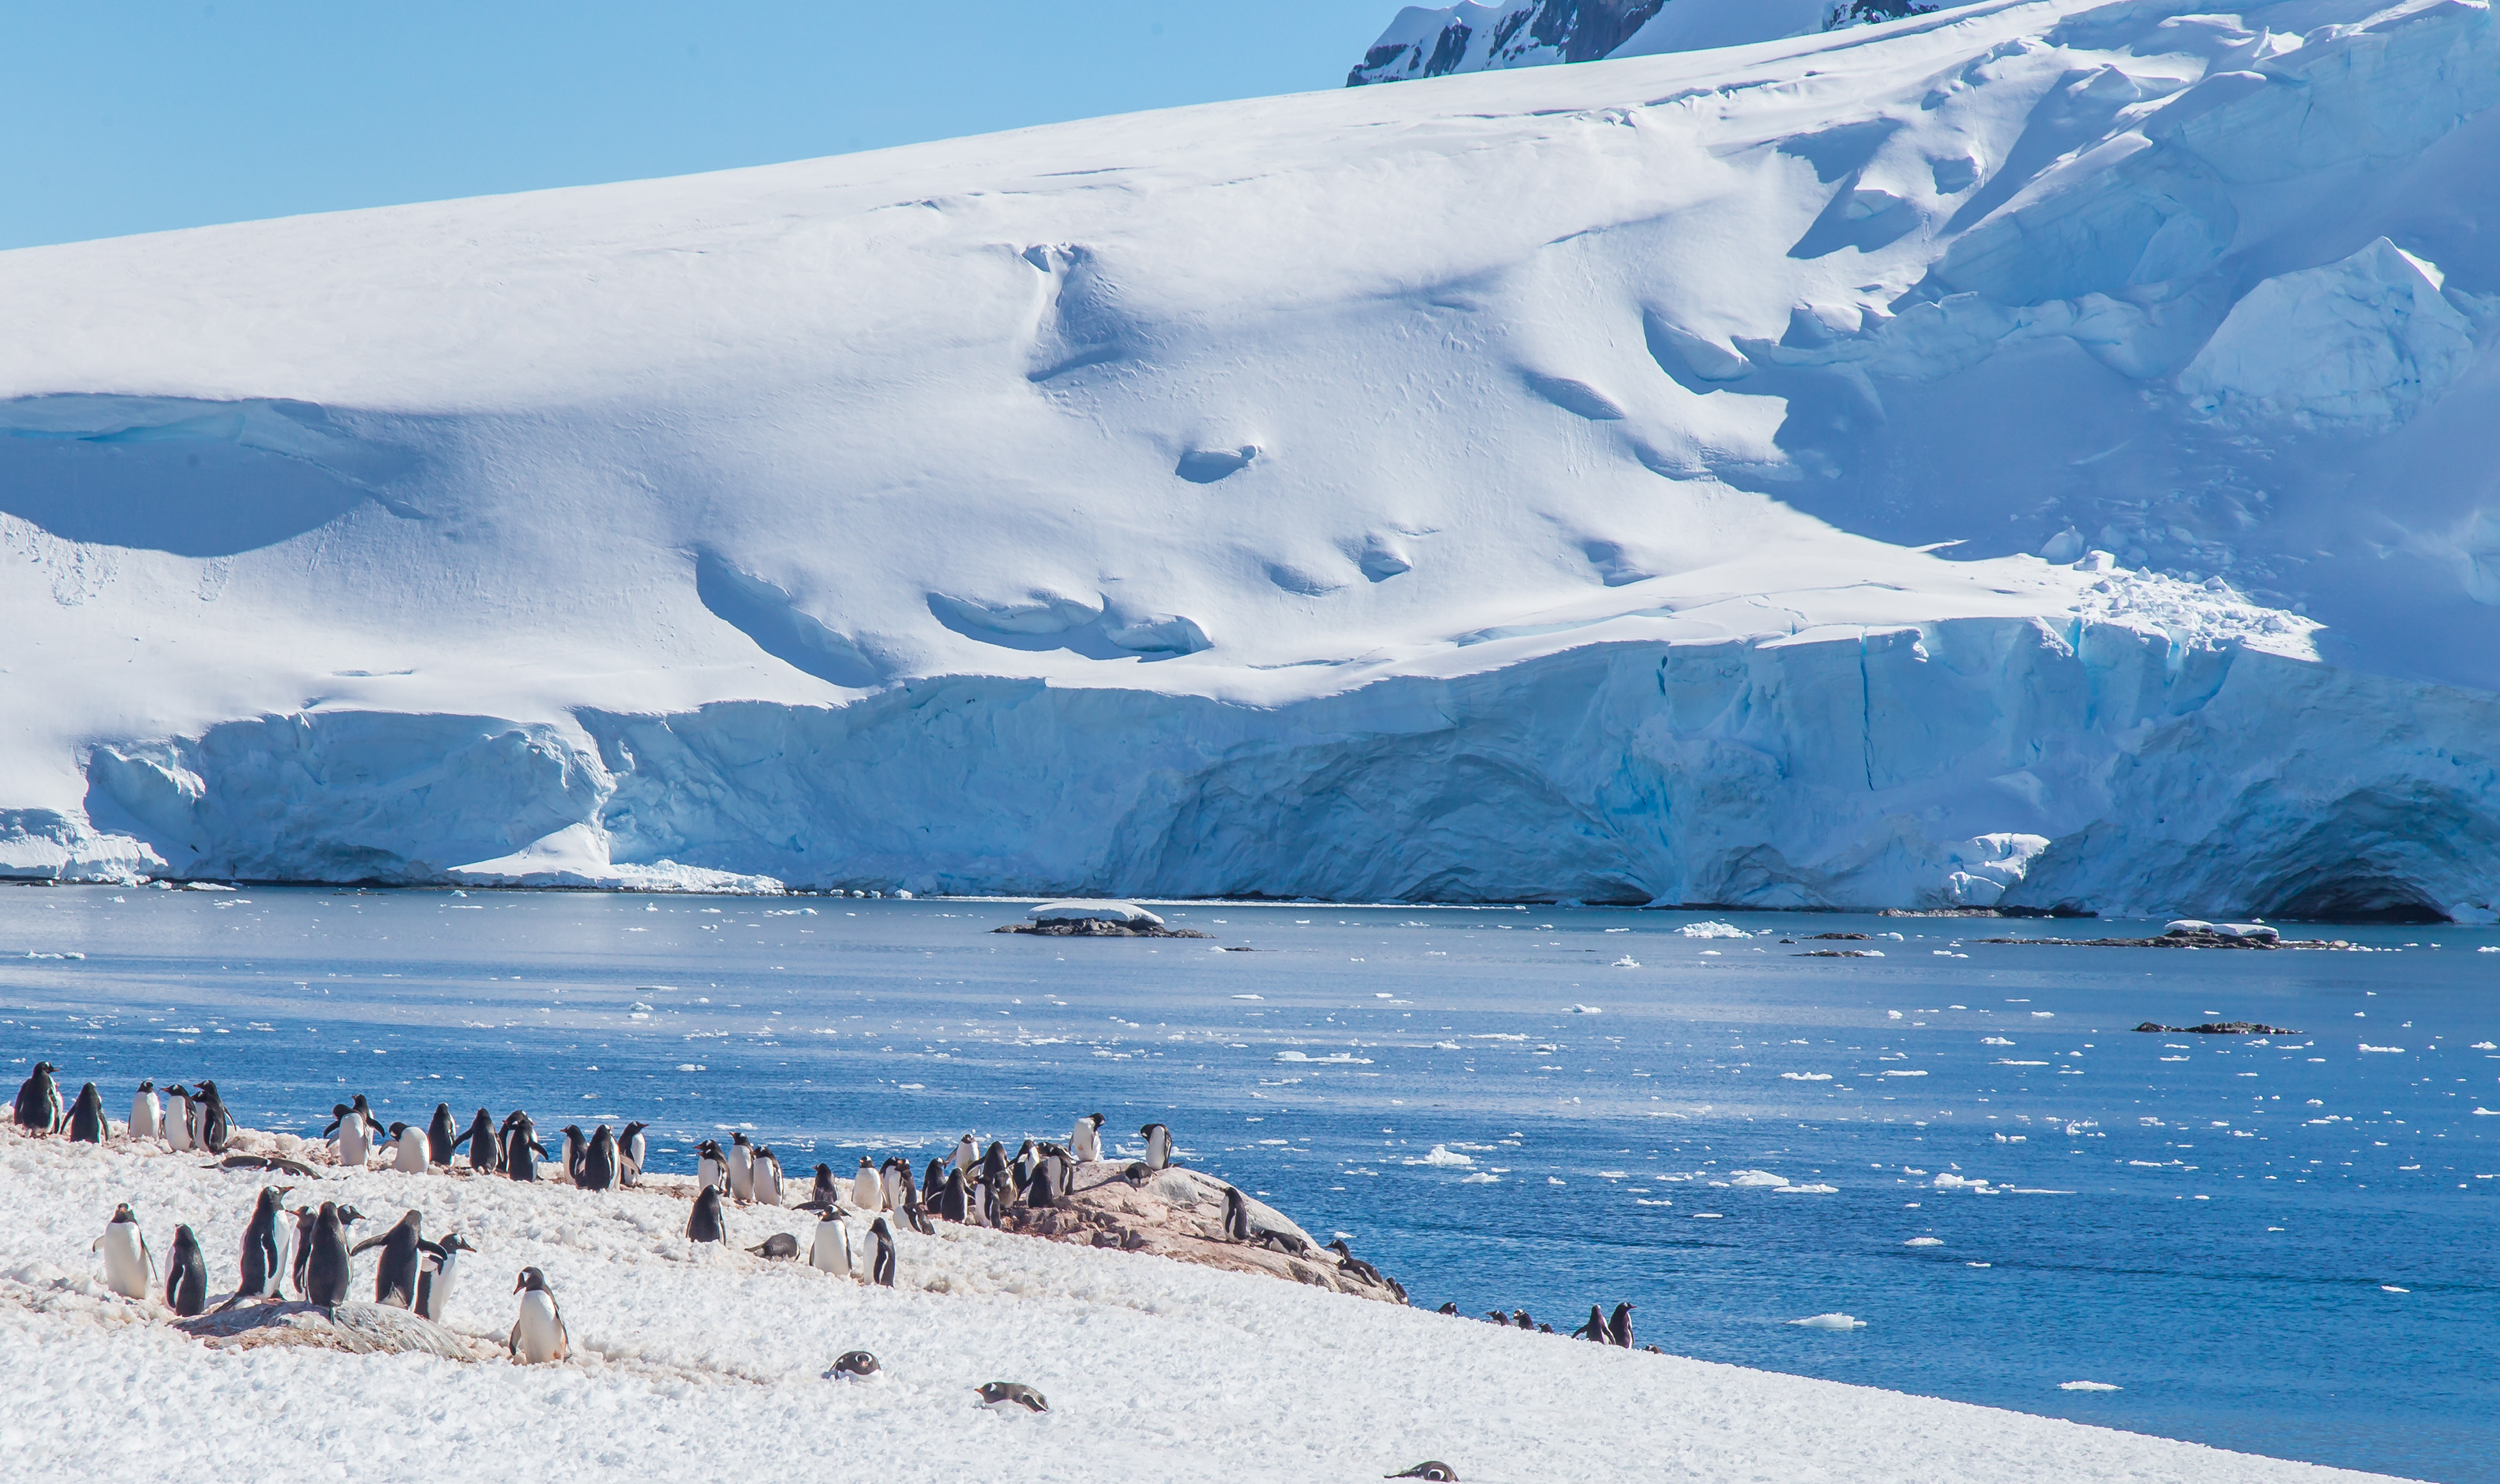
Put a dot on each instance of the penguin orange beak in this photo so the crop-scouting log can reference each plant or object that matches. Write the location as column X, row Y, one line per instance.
column 520, row 1282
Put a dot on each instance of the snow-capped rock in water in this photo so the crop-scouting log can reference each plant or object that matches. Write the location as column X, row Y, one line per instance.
column 2034, row 455
column 1427, row 42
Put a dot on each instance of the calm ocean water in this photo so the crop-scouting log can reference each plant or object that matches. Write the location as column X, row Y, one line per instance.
column 2282, row 1244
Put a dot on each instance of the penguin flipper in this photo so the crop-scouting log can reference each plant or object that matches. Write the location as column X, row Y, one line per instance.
column 434, row 1249
column 369, row 1241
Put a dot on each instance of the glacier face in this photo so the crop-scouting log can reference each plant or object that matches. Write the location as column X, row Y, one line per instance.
column 2034, row 452
column 1423, row 42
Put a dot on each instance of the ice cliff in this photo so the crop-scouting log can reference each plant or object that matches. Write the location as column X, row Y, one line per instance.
column 2032, row 453
column 1427, row 42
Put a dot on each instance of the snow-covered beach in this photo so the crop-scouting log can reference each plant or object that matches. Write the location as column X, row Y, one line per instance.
column 711, row 1363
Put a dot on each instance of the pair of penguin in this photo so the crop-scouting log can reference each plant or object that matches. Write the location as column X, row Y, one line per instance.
column 130, row 1268
column 197, row 1120
column 355, row 1128
column 1616, row 1330
column 602, row 1161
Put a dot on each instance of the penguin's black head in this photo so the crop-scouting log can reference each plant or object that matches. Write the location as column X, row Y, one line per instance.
column 1431, row 1469
column 43, row 1068
column 349, row 1213
column 147, row 1087
column 122, row 1212
column 824, row 1171
column 339, row 1109
column 858, row 1365
column 1339, row 1247
column 455, row 1242
column 738, row 1138
column 207, row 1089
column 1095, row 1119
column 532, row 1280
column 360, row 1098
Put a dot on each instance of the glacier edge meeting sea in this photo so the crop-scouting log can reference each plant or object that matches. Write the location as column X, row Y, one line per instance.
column 2281, row 1244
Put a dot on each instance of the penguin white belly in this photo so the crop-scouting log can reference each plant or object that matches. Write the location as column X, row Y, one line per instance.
column 1085, row 1147
column 146, row 1117
column 742, row 1174
column 437, row 1294
column 1159, row 1148
column 767, row 1187
column 537, row 1337
column 352, row 1145
column 408, row 1155
column 177, row 1129
column 867, row 1191
column 707, row 1172
column 832, row 1252
column 127, row 1271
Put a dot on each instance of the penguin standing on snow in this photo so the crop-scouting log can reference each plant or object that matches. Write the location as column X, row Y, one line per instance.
column 1158, row 1147
column 1595, row 1328
column 356, row 1126
column 213, row 1127
column 576, row 1144
column 129, row 1267
column 598, row 1162
column 741, row 1167
column 966, row 1154
column 327, row 1272
column 895, row 1175
column 539, row 1335
column 186, row 1276
column 147, row 1114
column 955, row 1202
column 880, row 1254
column 764, row 1176
column 261, row 1264
column 486, row 1150
column 307, row 1222
column 705, row 1223
column 630, row 1148
column 434, row 1284
column 177, row 1119
column 39, row 1102
column 439, row 1140
column 827, row 1192
column 86, row 1117
column 711, row 1167
column 403, row 1246
column 522, row 1150
column 868, row 1187
column 831, row 1251
column 1086, row 1146
column 409, row 1149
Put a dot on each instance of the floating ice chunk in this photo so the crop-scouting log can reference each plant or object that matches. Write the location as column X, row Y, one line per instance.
column 1625, row 962
column 2485, row 1045
column 1994, row 1040
column 2390, row 1288
column 2366, row 1046
column 1590, row 1009
column 1707, row 1216
column 1892, row 1015
column 1086, row 909
column 1925, row 1241
column 1897, row 1073
column 1441, row 1155
column 1806, row 1076
column 2085, row 1386
column 1951, row 1182
column 1332, row 1059
column 1829, row 1322
column 2481, row 1111
column 1809, row 1190
column 1755, row 1179
column 1480, row 1178
column 1713, row 930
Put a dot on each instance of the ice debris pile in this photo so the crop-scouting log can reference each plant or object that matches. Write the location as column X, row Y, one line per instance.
column 2026, row 455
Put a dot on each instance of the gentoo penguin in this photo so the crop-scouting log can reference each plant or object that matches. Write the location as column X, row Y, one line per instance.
column 1431, row 1469
column 1349, row 1263
column 966, row 1154
column 403, row 1246
column 955, row 1202
column 711, row 1167
column 1450, row 1309
column 993, row 1164
column 1158, row 1145
column 129, row 1267
column 1619, row 1326
column 825, row 1195
column 438, row 1140
column 212, row 1127
column 1023, row 1162
column 1236, row 1217
column 1012, row 1394
column 933, row 1180
column 741, row 1167
column 854, row 1366
column 434, row 1284
column 630, row 1147
column 576, row 1147
column 263, row 1268
column 86, row 1117
column 1042, row 1192
column 705, row 1223
column 881, row 1253
column 598, row 1162
column 186, row 1276
column 307, row 1222
column 147, row 1114
column 764, row 1176
column 1519, row 1320
column 357, row 1127
column 486, row 1150
column 522, row 1150
column 39, row 1101
column 868, row 1187
column 831, row 1251
column 537, row 1333
column 895, row 1174
column 1595, row 1328
column 778, row 1247
column 179, row 1120
column 1087, row 1144
column 326, row 1273
column 917, row 1214
column 409, row 1149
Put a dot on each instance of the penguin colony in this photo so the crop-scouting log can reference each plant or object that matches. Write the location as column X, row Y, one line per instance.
column 970, row 1186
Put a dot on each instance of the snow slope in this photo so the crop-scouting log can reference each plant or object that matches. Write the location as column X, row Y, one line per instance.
column 2033, row 452
column 712, row 1364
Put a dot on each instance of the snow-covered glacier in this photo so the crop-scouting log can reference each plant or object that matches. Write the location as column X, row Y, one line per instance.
column 2034, row 454
column 1427, row 42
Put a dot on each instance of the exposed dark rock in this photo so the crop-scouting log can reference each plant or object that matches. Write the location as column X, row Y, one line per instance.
column 1088, row 927
column 2219, row 1028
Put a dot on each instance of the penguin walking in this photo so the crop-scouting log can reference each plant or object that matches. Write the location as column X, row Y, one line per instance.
column 1619, row 1326
column 39, row 1102
column 764, row 1176
column 408, row 1154
column 179, row 1120
column 403, row 1246
column 711, row 1167
column 86, row 1117
column 129, row 1267
column 630, row 1147
column 356, row 1127
column 212, row 1128
column 147, row 1114
column 539, row 1335
column 741, row 1167
column 186, row 1276
column 434, row 1284
column 881, row 1253
column 1158, row 1145
column 1086, row 1145
column 439, row 1140
column 486, row 1150
column 598, row 1162
column 522, row 1150
column 705, row 1223
column 327, row 1272
column 263, row 1268
column 868, row 1187
column 830, row 1250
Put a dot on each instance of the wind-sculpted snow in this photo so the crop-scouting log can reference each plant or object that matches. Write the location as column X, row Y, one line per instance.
column 2039, row 450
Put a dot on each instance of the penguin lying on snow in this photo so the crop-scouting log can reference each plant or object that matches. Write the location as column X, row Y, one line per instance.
column 39, row 1102
column 778, row 1247
column 269, row 1162
column 1431, row 1468
column 1012, row 1394
column 854, row 1366
column 537, row 1335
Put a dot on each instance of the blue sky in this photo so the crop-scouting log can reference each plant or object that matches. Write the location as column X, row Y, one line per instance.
column 135, row 117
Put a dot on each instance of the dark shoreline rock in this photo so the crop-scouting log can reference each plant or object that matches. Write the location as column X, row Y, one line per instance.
column 2180, row 941
column 2219, row 1028
column 1089, row 927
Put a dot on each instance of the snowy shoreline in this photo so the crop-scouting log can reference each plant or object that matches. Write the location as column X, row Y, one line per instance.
column 709, row 1364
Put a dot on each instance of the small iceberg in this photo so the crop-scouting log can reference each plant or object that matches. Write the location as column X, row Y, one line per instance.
column 1441, row 1155
column 2366, row 1046
column 1480, row 1178
column 2390, row 1288
column 1755, row 1180
column 1713, row 930
column 1625, row 962
column 1809, row 1190
column 1925, row 1241
column 2085, row 1386
column 1806, row 1076
column 1829, row 1322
